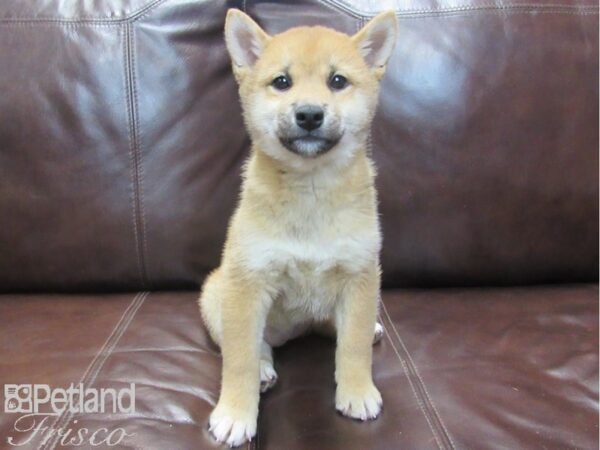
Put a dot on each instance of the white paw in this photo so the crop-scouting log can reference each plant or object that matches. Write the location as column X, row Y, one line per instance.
column 378, row 333
column 362, row 404
column 230, row 428
column 268, row 376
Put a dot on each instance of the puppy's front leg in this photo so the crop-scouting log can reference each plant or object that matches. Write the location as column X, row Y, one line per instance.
column 243, row 315
column 356, row 395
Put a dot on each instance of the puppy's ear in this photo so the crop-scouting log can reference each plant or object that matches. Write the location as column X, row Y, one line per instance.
column 376, row 40
column 244, row 38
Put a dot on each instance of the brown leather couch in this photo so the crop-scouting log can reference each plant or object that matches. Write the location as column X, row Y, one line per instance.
column 121, row 141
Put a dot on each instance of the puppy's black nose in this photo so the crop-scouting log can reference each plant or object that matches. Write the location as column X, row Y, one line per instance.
column 309, row 117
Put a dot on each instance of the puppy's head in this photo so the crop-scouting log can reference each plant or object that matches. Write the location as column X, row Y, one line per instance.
column 309, row 93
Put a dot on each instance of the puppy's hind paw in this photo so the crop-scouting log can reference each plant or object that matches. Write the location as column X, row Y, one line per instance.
column 268, row 376
column 378, row 334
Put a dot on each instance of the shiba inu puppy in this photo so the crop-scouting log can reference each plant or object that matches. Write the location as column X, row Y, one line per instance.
column 302, row 248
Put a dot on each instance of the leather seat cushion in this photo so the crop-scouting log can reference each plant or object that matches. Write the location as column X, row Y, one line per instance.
column 459, row 368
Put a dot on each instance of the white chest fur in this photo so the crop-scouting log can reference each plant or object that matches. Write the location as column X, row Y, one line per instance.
column 312, row 254
column 311, row 250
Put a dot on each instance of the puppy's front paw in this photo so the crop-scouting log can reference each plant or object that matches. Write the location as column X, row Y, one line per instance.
column 359, row 403
column 230, row 427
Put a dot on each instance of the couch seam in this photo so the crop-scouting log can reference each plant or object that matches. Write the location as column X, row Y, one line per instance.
column 400, row 13
column 142, row 210
column 439, row 417
column 498, row 12
column 360, row 22
column 410, row 364
column 586, row 11
column 420, row 402
column 131, row 151
column 135, row 154
column 106, row 350
column 90, row 20
column 107, row 354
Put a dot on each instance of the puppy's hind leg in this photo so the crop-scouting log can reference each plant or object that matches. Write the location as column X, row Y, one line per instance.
column 210, row 304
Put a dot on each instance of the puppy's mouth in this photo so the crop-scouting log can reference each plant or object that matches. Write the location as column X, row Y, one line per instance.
column 309, row 145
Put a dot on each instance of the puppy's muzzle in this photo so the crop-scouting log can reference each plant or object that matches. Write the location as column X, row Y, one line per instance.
column 309, row 135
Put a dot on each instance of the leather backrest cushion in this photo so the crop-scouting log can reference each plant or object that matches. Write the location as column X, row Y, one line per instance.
column 121, row 141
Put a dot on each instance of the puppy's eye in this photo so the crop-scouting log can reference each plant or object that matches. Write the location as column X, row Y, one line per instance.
column 338, row 82
column 281, row 83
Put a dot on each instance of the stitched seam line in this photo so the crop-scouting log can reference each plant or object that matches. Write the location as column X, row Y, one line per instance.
column 135, row 154
column 87, row 20
column 140, row 167
column 59, row 422
column 401, row 341
column 132, row 162
column 360, row 22
column 106, row 348
column 419, row 387
column 412, row 387
column 403, row 16
column 105, row 355
column 498, row 12
column 589, row 11
column 343, row 7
